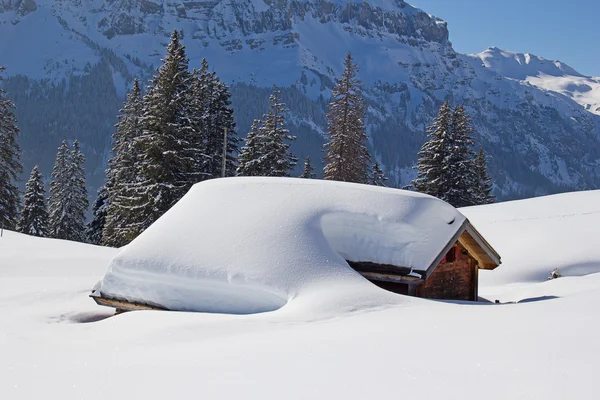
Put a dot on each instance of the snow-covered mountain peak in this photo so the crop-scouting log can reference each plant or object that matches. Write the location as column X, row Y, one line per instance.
column 253, row 31
column 548, row 75
column 521, row 65
column 219, row 18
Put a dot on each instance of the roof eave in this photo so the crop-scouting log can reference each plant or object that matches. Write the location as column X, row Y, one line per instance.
column 493, row 254
column 446, row 248
column 474, row 233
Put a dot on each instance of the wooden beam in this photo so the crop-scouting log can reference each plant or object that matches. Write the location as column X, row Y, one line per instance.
column 472, row 251
column 367, row 266
column 476, row 272
column 374, row 276
column 123, row 305
column 485, row 246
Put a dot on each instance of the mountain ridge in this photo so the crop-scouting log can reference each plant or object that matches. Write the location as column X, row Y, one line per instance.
column 539, row 126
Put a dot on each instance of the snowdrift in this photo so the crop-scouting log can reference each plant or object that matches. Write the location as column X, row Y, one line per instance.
column 538, row 235
column 248, row 245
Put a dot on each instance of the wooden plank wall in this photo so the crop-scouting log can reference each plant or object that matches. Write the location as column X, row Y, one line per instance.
column 452, row 281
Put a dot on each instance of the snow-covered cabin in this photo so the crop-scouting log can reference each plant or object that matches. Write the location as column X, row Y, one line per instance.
column 453, row 275
column 244, row 245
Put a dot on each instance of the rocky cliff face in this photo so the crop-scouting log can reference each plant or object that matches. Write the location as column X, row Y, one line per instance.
column 218, row 19
column 21, row 7
column 535, row 118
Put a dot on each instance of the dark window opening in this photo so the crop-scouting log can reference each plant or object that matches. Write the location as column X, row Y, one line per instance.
column 451, row 255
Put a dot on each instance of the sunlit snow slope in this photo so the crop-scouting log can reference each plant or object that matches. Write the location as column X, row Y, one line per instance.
column 535, row 236
column 542, row 343
column 548, row 75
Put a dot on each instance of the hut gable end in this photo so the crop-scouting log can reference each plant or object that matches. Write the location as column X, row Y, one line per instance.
column 454, row 279
column 453, row 275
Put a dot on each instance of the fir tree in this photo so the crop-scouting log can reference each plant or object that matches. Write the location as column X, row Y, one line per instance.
column 95, row 227
column 251, row 152
column 120, row 225
column 10, row 165
column 276, row 159
column 309, row 171
column 59, row 200
column 445, row 165
column 483, row 186
column 197, row 111
column 431, row 177
column 216, row 114
column 460, row 168
column 169, row 142
column 79, row 192
column 68, row 195
column 34, row 215
column 377, row 177
column 347, row 158
column 266, row 152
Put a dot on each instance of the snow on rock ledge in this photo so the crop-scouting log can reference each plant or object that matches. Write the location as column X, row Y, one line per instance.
column 248, row 245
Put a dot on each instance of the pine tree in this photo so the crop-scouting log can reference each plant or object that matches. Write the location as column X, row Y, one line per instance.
column 483, row 186
column 68, row 195
column 34, row 215
column 445, row 163
column 79, row 193
column 59, row 191
column 168, row 143
column 347, row 157
column 95, row 227
column 276, row 159
column 251, row 152
column 431, row 166
column 217, row 115
column 120, row 225
column 10, row 165
column 460, row 167
column 266, row 152
column 197, row 111
column 309, row 171
column 377, row 177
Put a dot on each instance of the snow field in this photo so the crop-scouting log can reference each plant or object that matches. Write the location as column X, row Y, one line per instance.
column 55, row 342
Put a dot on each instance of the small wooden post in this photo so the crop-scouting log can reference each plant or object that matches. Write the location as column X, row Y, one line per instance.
column 224, row 171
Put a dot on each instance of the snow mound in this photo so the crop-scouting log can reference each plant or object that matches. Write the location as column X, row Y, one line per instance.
column 538, row 235
column 247, row 245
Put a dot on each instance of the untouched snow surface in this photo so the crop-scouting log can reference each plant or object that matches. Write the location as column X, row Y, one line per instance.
column 56, row 343
column 535, row 236
column 244, row 245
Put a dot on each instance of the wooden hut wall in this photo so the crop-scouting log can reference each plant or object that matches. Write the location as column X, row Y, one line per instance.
column 455, row 279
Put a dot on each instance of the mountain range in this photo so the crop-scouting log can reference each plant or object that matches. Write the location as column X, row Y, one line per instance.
column 71, row 62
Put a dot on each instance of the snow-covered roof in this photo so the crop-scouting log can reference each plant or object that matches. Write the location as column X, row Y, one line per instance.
column 241, row 245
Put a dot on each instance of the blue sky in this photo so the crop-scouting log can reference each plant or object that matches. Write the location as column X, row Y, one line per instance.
column 568, row 31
